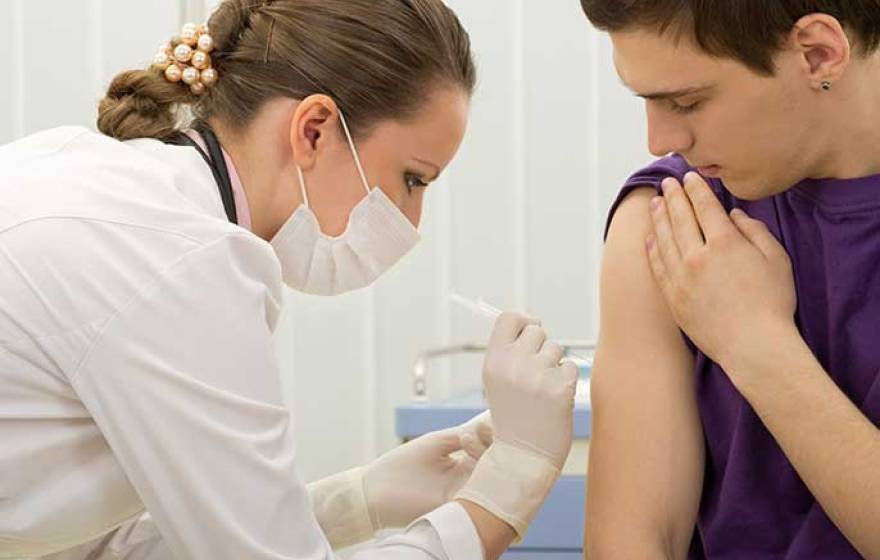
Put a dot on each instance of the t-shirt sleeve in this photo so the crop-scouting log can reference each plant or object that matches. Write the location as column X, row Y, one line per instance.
column 651, row 176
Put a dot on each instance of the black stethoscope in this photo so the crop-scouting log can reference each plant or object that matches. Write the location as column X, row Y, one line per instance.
column 215, row 160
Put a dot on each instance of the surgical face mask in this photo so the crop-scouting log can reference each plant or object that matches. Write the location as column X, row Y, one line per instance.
column 378, row 235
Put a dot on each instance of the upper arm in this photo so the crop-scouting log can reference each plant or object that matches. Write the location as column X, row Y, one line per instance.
column 647, row 453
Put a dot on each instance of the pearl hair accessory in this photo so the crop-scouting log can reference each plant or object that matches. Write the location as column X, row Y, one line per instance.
column 187, row 59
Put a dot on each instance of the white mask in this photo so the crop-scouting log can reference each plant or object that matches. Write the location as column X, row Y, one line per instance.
column 378, row 235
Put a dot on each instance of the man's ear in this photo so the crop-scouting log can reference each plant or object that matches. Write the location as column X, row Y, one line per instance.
column 314, row 122
column 824, row 47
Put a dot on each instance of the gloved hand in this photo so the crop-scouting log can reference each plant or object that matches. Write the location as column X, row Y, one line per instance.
column 420, row 476
column 531, row 398
column 400, row 486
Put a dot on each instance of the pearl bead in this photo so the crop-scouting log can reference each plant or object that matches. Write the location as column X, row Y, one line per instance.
column 190, row 27
column 201, row 60
column 206, row 43
column 173, row 73
column 203, row 29
column 190, row 76
column 162, row 61
column 183, row 53
column 198, row 88
column 188, row 37
column 209, row 77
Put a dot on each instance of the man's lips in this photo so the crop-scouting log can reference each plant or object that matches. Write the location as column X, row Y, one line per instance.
column 709, row 170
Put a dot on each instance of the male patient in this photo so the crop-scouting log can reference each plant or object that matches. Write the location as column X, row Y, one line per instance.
column 754, row 434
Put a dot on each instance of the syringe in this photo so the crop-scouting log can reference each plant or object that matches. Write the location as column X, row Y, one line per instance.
column 477, row 307
column 480, row 307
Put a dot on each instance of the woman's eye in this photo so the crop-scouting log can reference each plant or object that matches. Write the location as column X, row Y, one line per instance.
column 413, row 182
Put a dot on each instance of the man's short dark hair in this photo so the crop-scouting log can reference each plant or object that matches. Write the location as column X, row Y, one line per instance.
column 751, row 31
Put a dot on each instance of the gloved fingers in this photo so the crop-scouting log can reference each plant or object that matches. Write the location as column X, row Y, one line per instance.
column 508, row 327
column 532, row 339
column 477, row 434
column 570, row 374
column 438, row 444
column 473, row 445
column 485, row 429
column 553, row 352
column 464, row 467
column 463, row 461
column 467, row 464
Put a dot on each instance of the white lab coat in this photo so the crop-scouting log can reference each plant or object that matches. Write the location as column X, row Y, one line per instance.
column 137, row 368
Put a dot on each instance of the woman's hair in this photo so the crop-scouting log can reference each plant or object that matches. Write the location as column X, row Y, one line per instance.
column 750, row 31
column 378, row 59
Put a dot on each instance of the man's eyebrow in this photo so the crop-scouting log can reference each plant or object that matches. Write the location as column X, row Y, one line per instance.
column 674, row 94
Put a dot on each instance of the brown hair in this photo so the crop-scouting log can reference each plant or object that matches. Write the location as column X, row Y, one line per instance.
column 751, row 31
column 377, row 59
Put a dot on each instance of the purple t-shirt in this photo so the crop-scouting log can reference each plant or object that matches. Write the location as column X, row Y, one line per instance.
column 754, row 504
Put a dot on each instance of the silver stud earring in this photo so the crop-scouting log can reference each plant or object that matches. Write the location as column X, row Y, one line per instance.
column 827, row 86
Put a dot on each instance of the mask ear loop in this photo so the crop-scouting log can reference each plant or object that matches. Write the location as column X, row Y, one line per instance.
column 302, row 186
column 357, row 160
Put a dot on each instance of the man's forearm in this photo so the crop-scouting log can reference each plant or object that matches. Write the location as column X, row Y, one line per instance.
column 832, row 445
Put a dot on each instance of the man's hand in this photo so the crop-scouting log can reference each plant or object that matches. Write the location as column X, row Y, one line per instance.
column 726, row 279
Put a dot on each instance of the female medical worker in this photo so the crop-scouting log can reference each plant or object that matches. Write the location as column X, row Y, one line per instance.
column 142, row 277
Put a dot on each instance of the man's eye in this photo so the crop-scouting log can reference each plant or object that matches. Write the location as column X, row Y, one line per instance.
column 685, row 109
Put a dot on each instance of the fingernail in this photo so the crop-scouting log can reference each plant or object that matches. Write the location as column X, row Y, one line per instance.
column 693, row 176
column 666, row 184
column 736, row 212
column 650, row 242
column 656, row 202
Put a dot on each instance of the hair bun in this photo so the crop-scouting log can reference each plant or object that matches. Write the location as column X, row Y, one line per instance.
column 141, row 104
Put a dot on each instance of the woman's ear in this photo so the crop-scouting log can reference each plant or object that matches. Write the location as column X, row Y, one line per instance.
column 825, row 47
column 314, row 123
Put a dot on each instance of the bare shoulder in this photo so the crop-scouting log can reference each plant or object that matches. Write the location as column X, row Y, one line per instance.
column 631, row 300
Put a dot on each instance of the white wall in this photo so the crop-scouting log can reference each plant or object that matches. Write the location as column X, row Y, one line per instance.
column 517, row 219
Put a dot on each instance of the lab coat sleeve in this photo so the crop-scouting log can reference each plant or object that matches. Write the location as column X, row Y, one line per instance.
column 445, row 534
column 183, row 384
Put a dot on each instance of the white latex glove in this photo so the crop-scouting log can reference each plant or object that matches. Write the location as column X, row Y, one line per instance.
column 423, row 474
column 400, row 486
column 531, row 397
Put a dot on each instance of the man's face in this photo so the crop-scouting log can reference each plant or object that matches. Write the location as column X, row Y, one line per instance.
column 753, row 131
